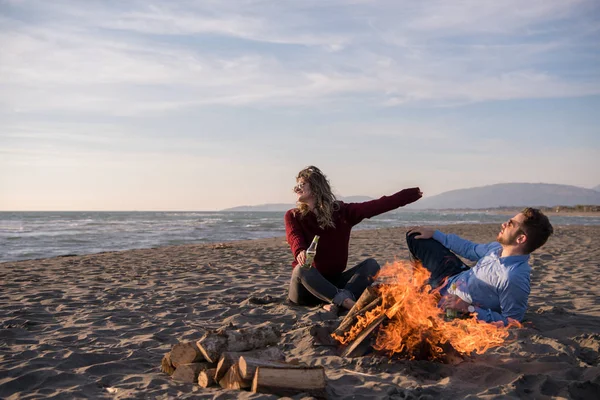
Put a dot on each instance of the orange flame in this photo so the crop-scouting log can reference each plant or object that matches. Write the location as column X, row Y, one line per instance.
column 414, row 322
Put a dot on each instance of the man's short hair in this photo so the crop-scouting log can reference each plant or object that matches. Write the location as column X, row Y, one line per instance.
column 536, row 227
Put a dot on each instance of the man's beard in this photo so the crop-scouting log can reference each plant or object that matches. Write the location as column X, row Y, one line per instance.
column 507, row 240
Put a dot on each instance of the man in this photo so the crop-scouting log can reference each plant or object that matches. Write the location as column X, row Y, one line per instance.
column 497, row 287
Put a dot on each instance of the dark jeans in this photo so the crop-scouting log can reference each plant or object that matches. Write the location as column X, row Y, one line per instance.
column 308, row 287
column 436, row 258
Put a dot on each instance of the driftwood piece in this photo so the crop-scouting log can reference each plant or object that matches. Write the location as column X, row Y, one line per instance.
column 189, row 372
column 291, row 381
column 347, row 323
column 229, row 358
column 166, row 366
column 350, row 350
column 206, row 378
column 233, row 379
column 185, row 353
column 213, row 344
column 247, row 366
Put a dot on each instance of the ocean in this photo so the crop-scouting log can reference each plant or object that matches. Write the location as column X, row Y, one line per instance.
column 31, row 235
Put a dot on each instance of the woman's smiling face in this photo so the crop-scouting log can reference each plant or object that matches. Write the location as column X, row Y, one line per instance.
column 302, row 190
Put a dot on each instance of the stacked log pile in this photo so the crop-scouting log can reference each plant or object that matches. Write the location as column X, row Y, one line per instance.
column 242, row 359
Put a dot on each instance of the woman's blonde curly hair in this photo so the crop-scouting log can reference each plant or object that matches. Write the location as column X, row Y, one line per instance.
column 326, row 203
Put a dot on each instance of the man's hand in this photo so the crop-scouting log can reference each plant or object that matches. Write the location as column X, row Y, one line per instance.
column 454, row 302
column 423, row 232
column 301, row 257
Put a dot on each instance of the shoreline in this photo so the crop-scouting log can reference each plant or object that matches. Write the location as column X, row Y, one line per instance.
column 565, row 213
column 557, row 211
column 400, row 231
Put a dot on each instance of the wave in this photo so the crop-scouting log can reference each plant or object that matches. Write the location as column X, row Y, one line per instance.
column 39, row 235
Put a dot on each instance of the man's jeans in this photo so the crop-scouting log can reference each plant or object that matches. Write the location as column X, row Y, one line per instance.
column 309, row 287
column 436, row 258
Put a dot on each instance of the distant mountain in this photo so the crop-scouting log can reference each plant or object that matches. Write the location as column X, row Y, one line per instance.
column 262, row 207
column 492, row 196
column 354, row 199
column 511, row 195
column 286, row 206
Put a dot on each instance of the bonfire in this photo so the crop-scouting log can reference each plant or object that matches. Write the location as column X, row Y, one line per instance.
column 399, row 316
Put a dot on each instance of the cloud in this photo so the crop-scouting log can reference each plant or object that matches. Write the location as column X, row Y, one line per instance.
column 139, row 58
column 477, row 16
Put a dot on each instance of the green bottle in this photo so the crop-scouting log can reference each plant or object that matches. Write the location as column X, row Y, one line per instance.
column 450, row 312
column 311, row 252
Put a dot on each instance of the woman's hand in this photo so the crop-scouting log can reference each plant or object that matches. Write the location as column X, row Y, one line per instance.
column 301, row 257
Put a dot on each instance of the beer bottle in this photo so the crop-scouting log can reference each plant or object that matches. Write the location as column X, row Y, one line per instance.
column 311, row 252
column 450, row 312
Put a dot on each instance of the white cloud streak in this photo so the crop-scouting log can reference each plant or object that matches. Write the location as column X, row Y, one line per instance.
column 137, row 58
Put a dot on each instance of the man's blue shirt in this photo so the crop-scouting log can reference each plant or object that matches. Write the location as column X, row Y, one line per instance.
column 498, row 287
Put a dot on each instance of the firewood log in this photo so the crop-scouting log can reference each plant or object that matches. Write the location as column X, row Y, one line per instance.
column 350, row 350
column 189, row 372
column 347, row 323
column 206, row 378
column 233, row 379
column 213, row 344
column 229, row 358
column 185, row 353
column 364, row 300
column 166, row 366
column 289, row 382
column 247, row 365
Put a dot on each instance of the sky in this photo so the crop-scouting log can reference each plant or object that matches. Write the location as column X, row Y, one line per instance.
column 205, row 105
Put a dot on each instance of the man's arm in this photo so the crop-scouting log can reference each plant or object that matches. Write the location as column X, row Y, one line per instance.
column 293, row 234
column 464, row 248
column 513, row 302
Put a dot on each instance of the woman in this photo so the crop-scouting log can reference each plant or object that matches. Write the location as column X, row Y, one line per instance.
column 319, row 213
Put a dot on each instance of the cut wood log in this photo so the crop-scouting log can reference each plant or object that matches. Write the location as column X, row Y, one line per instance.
column 185, row 353
column 289, row 382
column 233, row 379
column 347, row 323
column 213, row 344
column 253, row 338
column 206, row 378
column 166, row 366
column 189, row 372
column 247, row 366
column 350, row 350
column 229, row 358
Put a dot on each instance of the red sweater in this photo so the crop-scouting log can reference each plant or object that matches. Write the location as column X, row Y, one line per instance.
column 332, row 250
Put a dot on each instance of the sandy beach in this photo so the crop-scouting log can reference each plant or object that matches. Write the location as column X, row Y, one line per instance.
column 97, row 326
